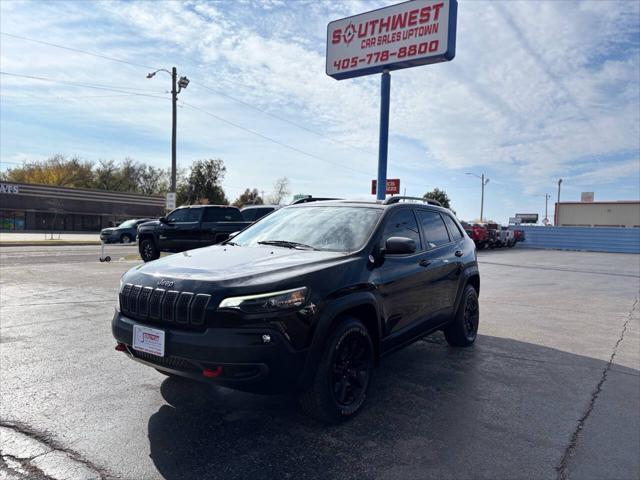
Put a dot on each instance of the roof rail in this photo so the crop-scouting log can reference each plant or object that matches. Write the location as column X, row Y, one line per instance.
column 311, row 199
column 392, row 200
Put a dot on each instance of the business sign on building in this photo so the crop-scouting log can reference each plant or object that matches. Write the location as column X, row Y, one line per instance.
column 586, row 197
column 393, row 186
column 418, row 32
column 9, row 188
column 527, row 217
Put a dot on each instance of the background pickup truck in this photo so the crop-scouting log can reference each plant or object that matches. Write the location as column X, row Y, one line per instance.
column 186, row 228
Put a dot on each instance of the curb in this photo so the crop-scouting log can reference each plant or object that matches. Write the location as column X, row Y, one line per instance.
column 51, row 243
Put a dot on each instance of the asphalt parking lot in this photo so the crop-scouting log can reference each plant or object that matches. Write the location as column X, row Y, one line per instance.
column 550, row 390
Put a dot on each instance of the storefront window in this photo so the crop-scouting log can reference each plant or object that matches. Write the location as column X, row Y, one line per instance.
column 12, row 220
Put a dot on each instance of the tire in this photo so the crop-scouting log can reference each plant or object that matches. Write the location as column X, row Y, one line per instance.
column 463, row 330
column 126, row 238
column 342, row 380
column 148, row 250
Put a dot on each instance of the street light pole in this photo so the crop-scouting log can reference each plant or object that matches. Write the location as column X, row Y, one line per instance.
column 176, row 87
column 483, row 183
column 557, row 215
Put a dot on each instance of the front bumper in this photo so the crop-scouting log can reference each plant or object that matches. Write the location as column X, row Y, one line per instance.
column 247, row 362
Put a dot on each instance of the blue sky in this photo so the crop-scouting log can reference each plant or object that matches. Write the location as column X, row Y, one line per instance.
column 538, row 90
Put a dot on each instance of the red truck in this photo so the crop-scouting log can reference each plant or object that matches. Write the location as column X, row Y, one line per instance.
column 477, row 233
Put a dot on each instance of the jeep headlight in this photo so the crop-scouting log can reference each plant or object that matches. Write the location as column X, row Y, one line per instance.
column 267, row 302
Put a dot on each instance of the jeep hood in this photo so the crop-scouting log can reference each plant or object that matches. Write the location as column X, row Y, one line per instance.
column 235, row 264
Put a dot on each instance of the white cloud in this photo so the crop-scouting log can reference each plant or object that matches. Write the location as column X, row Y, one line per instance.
column 535, row 88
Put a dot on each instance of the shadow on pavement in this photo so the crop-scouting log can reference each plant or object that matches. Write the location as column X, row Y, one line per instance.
column 502, row 409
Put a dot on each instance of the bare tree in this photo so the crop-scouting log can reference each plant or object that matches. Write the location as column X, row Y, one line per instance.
column 280, row 191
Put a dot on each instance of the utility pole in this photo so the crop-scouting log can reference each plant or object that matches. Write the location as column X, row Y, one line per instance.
column 483, row 183
column 176, row 87
column 174, row 116
column 557, row 219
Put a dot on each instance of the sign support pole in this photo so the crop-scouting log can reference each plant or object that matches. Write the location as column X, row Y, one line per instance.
column 385, row 91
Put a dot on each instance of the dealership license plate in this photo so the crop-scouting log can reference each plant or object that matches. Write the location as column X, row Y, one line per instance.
column 149, row 340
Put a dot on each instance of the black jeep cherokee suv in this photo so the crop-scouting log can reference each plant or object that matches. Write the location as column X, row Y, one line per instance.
column 306, row 300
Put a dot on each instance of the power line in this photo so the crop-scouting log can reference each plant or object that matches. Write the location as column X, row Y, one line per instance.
column 108, row 88
column 77, row 50
column 211, row 89
column 282, row 119
column 271, row 139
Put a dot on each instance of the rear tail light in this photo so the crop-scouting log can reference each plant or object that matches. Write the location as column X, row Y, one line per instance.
column 212, row 372
column 121, row 347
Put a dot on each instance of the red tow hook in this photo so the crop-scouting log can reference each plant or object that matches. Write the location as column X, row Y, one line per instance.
column 121, row 347
column 212, row 372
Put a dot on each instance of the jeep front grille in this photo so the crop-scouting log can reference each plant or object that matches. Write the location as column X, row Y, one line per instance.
column 157, row 305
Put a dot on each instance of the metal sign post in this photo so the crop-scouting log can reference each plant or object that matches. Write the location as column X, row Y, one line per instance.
column 383, row 146
column 409, row 34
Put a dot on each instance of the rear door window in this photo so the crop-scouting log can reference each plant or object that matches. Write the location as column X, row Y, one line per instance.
column 222, row 214
column 435, row 232
column 454, row 231
column 402, row 223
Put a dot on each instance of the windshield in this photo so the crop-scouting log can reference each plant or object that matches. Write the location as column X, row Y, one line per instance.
column 339, row 229
column 127, row 224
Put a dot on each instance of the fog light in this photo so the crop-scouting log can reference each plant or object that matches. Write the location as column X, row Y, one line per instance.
column 266, row 338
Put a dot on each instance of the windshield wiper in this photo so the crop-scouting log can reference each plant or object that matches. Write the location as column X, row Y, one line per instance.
column 229, row 242
column 287, row 244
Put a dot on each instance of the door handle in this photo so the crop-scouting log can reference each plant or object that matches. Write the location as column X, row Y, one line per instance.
column 424, row 262
column 458, row 253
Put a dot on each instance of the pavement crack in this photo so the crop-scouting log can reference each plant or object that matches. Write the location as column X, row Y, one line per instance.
column 52, row 447
column 563, row 468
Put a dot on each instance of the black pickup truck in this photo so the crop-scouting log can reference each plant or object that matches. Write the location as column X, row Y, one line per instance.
column 186, row 228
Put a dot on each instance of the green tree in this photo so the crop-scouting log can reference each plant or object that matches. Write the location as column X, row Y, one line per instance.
column 249, row 197
column 440, row 196
column 203, row 184
column 153, row 180
column 106, row 175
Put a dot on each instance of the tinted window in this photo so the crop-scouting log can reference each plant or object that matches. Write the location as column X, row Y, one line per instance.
column 402, row 223
column 433, row 227
column 454, row 231
column 249, row 215
column 222, row 214
column 179, row 215
column 341, row 229
column 261, row 212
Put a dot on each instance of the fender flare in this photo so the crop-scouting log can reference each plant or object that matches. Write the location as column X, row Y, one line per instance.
column 324, row 323
column 467, row 273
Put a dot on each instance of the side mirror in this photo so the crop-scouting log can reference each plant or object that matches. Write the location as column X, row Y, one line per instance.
column 399, row 246
column 163, row 220
column 231, row 235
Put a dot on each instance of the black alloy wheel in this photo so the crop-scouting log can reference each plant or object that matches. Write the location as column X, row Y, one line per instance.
column 343, row 376
column 463, row 329
column 471, row 317
column 351, row 367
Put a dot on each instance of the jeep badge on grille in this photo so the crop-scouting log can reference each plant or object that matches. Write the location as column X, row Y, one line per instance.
column 165, row 283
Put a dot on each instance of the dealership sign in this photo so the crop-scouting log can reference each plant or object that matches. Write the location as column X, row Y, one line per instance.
column 393, row 186
column 405, row 35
